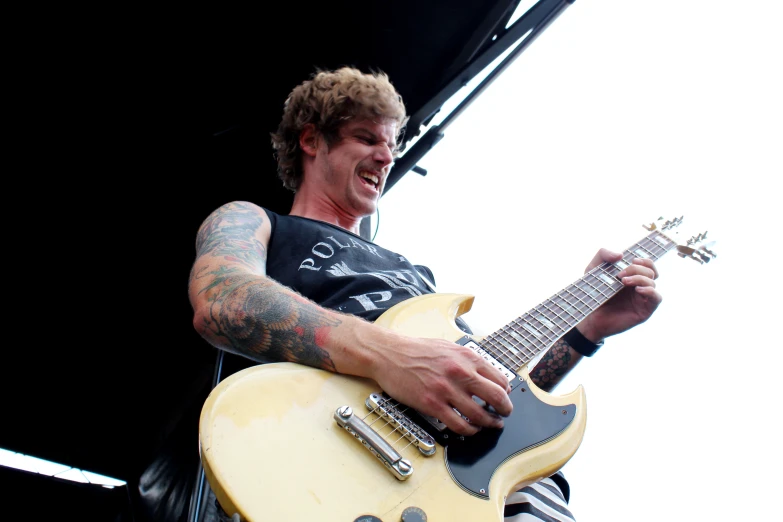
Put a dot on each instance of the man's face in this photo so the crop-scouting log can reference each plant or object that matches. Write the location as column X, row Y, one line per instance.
column 355, row 167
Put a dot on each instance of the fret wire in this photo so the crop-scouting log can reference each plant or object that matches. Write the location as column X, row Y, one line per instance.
column 574, row 291
column 613, row 277
column 522, row 339
column 598, row 289
column 577, row 292
column 554, row 317
column 592, row 280
column 568, row 324
column 605, row 271
column 655, row 244
column 577, row 297
column 538, row 331
column 496, row 349
column 610, row 269
column 659, row 236
column 581, row 284
column 566, row 308
column 608, row 273
column 670, row 243
column 499, row 351
column 620, row 264
column 521, row 333
column 549, row 335
column 543, row 316
column 651, row 243
column 532, row 344
column 513, row 357
column 572, row 305
column 543, row 329
column 653, row 248
column 516, row 338
column 525, row 336
column 609, row 280
column 639, row 245
column 523, row 355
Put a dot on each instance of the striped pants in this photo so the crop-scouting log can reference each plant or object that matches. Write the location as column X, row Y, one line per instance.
column 543, row 501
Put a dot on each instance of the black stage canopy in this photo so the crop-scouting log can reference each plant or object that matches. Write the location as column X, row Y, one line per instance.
column 138, row 125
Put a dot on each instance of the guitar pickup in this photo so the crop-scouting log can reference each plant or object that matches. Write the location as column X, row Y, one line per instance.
column 401, row 468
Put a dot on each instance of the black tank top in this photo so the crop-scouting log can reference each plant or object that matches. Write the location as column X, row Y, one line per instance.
column 338, row 269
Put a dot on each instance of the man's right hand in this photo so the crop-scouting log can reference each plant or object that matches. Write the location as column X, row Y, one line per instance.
column 435, row 377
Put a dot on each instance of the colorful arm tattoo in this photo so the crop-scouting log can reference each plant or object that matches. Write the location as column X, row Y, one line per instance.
column 229, row 232
column 552, row 366
column 256, row 317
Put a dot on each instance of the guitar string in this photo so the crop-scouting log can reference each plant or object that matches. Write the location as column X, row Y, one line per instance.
column 499, row 346
column 388, row 422
column 495, row 338
column 502, row 346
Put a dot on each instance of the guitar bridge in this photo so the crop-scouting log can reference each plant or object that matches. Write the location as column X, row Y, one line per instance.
column 401, row 468
column 385, row 408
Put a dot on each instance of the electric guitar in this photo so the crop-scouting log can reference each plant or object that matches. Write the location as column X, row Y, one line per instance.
column 285, row 442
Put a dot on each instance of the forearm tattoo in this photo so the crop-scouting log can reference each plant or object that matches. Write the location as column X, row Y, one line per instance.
column 254, row 316
column 552, row 366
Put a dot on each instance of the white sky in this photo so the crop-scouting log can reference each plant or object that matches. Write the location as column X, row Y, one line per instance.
column 621, row 112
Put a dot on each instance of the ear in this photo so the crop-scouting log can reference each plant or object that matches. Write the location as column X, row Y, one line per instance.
column 308, row 140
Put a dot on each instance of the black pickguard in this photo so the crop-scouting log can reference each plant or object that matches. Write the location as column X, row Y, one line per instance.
column 473, row 460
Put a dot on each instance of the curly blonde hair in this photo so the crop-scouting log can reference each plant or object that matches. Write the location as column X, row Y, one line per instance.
column 327, row 100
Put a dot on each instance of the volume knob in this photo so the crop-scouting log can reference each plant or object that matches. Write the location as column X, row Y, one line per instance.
column 413, row 514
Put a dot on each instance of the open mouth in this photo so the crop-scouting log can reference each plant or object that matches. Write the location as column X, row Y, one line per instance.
column 370, row 179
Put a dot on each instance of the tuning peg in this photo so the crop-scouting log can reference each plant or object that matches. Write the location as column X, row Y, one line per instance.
column 698, row 238
column 691, row 256
column 709, row 252
column 672, row 223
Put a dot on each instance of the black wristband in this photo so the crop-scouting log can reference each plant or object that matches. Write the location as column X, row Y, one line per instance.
column 580, row 343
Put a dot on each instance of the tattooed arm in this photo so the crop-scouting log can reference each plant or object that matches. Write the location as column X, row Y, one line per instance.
column 554, row 365
column 237, row 308
column 633, row 305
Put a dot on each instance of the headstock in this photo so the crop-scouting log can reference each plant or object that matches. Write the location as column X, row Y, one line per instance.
column 694, row 247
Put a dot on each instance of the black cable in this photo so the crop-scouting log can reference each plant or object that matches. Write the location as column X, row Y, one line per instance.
column 377, row 222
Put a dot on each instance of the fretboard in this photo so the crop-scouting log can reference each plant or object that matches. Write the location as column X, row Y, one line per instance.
column 520, row 341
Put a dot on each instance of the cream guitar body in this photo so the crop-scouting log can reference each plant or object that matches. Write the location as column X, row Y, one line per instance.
column 272, row 451
column 285, row 442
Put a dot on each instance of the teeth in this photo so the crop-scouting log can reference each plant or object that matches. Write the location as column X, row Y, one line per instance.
column 370, row 177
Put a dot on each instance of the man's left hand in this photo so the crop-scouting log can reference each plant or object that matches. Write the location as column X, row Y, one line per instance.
column 632, row 305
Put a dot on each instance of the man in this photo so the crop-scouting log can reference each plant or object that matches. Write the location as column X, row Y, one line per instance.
column 306, row 287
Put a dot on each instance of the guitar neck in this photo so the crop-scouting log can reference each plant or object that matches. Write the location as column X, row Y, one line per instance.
column 523, row 339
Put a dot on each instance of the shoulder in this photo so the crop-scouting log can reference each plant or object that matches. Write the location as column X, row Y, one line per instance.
column 242, row 207
column 240, row 219
column 243, row 210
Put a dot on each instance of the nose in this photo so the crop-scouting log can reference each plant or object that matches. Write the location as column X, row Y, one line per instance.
column 383, row 155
